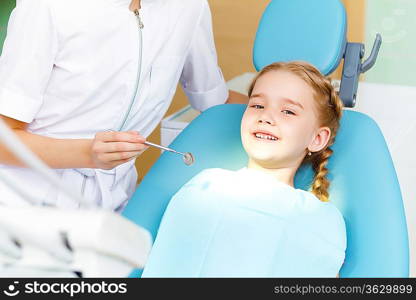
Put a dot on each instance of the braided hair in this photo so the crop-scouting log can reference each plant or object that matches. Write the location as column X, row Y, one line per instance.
column 329, row 107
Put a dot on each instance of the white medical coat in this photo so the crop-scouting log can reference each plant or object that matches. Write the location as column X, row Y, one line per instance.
column 69, row 69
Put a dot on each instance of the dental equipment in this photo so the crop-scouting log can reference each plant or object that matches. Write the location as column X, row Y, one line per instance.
column 49, row 241
column 188, row 158
column 69, row 243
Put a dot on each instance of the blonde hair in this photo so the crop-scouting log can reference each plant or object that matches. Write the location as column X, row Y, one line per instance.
column 329, row 107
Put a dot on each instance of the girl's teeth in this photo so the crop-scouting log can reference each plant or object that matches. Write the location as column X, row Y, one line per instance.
column 267, row 137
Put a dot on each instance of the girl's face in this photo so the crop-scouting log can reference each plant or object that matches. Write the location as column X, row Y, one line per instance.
column 280, row 125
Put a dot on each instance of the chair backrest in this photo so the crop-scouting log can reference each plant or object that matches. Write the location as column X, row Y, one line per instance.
column 364, row 185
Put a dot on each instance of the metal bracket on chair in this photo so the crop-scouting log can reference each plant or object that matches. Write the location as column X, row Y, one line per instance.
column 371, row 60
column 353, row 67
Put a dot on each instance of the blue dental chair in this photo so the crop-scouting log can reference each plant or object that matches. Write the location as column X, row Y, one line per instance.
column 364, row 184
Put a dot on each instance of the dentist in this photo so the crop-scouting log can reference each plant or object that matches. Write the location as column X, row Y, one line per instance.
column 70, row 71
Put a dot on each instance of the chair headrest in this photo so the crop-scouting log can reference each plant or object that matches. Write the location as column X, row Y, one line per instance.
column 312, row 31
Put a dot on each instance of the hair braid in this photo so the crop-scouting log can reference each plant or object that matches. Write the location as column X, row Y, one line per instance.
column 319, row 160
column 320, row 183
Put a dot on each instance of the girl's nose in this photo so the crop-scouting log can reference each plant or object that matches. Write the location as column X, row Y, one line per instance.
column 266, row 117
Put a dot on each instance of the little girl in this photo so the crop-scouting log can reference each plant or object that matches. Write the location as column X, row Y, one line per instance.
column 253, row 222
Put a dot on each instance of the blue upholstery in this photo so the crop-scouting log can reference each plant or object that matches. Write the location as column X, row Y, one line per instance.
column 364, row 185
column 313, row 31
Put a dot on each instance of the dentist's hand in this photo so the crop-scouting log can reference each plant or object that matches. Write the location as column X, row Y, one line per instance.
column 112, row 148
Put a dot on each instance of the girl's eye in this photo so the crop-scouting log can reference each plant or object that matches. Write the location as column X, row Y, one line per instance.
column 288, row 112
column 257, row 106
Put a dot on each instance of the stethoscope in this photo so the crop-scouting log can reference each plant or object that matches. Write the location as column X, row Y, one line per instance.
column 187, row 157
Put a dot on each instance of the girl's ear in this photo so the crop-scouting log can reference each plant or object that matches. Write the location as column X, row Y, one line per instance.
column 321, row 139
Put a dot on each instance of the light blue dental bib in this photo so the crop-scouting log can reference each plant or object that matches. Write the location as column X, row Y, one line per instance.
column 246, row 224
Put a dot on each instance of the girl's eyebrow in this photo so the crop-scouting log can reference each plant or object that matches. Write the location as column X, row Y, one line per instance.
column 261, row 95
column 293, row 102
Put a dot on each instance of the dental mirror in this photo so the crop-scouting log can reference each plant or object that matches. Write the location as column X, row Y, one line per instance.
column 188, row 159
